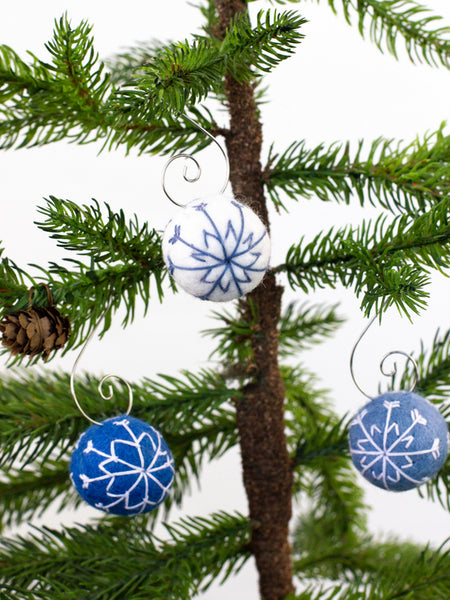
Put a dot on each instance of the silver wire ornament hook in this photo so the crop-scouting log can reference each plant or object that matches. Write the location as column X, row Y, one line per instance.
column 104, row 396
column 392, row 373
column 189, row 157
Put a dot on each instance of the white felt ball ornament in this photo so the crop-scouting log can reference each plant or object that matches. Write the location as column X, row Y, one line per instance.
column 398, row 441
column 122, row 466
column 216, row 248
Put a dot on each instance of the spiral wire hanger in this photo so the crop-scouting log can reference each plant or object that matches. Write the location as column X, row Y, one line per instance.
column 392, row 373
column 196, row 177
column 110, row 393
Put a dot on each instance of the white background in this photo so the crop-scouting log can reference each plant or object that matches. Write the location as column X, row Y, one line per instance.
column 337, row 87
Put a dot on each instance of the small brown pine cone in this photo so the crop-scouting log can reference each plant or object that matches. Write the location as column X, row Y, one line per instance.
column 35, row 331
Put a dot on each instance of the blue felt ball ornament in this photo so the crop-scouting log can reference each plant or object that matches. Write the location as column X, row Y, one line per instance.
column 122, row 466
column 216, row 248
column 398, row 441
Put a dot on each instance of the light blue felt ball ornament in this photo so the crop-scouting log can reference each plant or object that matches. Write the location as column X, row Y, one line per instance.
column 398, row 441
column 216, row 248
column 122, row 466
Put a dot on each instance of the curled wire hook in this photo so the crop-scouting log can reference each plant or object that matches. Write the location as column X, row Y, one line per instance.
column 189, row 157
column 110, row 393
column 392, row 373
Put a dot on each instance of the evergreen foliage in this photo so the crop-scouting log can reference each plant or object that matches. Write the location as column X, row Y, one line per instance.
column 38, row 430
column 184, row 73
column 115, row 262
column 68, row 563
column 407, row 179
column 386, row 262
column 406, row 571
column 387, row 20
column 137, row 100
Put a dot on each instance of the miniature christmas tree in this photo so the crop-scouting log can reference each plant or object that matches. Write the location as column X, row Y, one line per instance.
column 294, row 447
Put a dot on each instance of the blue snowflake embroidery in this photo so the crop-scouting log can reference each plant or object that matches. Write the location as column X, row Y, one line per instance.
column 130, row 469
column 224, row 260
column 383, row 452
column 176, row 235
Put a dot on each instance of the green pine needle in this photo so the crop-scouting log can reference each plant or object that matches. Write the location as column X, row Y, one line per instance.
column 46, row 102
column 416, row 573
column 121, row 262
column 73, row 98
column 184, row 73
column 387, row 263
column 387, row 21
column 26, row 493
column 40, row 424
column 302, row 326
column 123, row 560
column 398, row 178
column 273, row 39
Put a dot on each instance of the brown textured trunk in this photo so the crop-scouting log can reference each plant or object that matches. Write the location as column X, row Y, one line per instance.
column 267, row 468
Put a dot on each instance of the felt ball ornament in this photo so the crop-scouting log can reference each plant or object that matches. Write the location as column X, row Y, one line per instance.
column 216, row 248
column 122, row 466
column 398, row 441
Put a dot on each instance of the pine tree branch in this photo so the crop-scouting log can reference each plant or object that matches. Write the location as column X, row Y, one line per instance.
column 88, row 296
column 210, row 15
column 307, row 406
column 319, row 556
column 124, row 65
column 122, row 261
column 409, row 178
column 332, row 485
column 93, row 287
column 385, row 262
column 92, row 562
column 387, row 20
column 319, row 442
column 26, row 493
column 48, row 102
column 39, row 426
column 103, row 238
column 180, row 74
column 300, row 327
column 305, row 401
column 185, row 73
column 323, row 442
column 362, row 558
column 303, row 325
column 14, row 281
column 273, row 39
column 419, row 575
column 71, row 98
column 41, row 404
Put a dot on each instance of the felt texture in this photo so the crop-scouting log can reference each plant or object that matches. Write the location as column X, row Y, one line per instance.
column 123, row 466
column 216, row 248
column 398, row 441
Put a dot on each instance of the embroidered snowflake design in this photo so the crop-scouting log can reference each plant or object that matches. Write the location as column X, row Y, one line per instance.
column 140, row 475
column 224, row 260
column 389, row 462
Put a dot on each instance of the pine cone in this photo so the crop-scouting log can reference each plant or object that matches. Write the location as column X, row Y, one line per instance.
column 35, row 330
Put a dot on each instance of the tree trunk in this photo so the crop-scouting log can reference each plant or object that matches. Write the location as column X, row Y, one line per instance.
column 267, row 467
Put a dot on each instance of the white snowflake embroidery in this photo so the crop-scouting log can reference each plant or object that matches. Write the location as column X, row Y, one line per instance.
column 140, row 473
column 392, row 459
